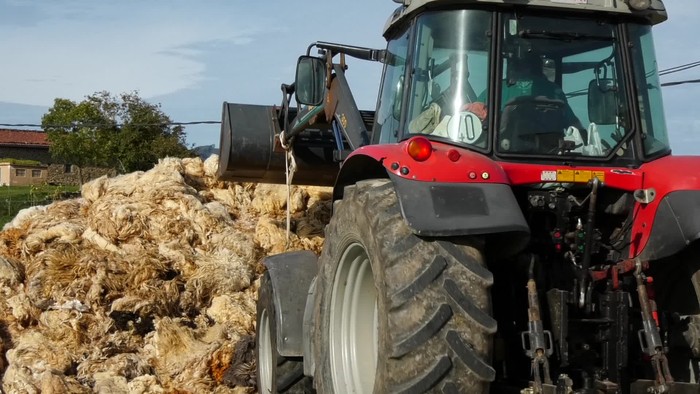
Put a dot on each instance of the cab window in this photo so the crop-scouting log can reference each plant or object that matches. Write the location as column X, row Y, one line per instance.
column 653, row 123
column 390, row 98
column 449, row 72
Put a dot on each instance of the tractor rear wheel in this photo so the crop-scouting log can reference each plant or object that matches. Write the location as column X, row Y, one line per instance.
column 395, row 312
column 276, row 373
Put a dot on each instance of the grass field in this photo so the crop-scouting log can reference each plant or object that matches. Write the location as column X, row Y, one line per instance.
column 15, row 198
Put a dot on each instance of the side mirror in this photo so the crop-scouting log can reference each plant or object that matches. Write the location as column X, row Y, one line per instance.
column 310, row 81
column 602, row 101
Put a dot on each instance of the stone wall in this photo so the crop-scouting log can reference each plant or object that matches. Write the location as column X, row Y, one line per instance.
column 60, row 174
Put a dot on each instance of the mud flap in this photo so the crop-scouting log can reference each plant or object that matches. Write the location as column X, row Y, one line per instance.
column 437, row 209
column 445, row 209
column 291, row 275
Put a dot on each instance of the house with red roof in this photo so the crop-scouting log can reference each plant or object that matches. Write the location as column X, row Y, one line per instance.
column 25, row 160
column 24, row 157
column 24, row 145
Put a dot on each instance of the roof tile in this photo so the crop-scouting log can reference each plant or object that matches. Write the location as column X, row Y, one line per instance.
column 23, row 137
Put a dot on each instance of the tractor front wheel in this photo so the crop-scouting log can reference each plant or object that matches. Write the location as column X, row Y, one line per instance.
column 276, row 373
column 395, row 312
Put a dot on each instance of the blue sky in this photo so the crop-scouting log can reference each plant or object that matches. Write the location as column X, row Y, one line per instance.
column 191, row 56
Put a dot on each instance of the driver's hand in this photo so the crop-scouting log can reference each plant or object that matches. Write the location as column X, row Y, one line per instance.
column 477, row 108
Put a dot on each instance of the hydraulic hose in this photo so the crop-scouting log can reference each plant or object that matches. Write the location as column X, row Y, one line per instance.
column 588, row 245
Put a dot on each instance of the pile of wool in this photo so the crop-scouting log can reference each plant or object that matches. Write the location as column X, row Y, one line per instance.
column 147, row 283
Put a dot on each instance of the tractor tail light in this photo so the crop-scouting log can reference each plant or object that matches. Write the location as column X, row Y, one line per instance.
column 419, row 148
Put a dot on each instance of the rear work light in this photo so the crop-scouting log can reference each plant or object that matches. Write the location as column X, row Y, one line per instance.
column 419, row 148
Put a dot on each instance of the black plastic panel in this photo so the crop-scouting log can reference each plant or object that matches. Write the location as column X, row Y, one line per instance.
column 449, row 209
column 676, row 225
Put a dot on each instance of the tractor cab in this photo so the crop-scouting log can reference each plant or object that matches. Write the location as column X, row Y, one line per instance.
column 510, row 216
column 551, row 81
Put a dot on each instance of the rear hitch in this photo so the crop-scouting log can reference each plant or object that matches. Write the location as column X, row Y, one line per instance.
column 564, row 385
column 650, row 338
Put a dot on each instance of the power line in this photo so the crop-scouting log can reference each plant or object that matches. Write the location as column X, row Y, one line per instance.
column 676, row 83
column 676, row 69
column 198, row 122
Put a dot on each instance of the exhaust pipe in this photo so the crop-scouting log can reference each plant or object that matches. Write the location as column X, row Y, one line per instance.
column 250, row 150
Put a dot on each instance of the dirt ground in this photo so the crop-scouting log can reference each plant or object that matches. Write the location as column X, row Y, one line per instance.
column 146, row 283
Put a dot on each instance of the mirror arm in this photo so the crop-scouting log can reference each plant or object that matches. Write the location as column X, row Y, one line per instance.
column 376, row 55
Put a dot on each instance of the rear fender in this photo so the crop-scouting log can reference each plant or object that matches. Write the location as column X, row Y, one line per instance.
column 676, row 225
column 441, row 197
column 671, row 221
column 378, row 161
column 291, row 275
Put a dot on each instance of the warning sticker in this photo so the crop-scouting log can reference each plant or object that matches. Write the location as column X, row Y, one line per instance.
column 579, row 176
column 565, row 176
column 600, row 175
column 549, row 176
column 582, row 176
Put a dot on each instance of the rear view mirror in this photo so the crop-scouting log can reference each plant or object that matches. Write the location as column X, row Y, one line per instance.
column 310, row 80
column 602, row 101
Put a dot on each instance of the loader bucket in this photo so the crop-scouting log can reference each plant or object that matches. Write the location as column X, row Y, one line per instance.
column 250, row 151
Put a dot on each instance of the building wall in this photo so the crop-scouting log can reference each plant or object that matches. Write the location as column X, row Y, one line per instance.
column 4, row 174
column 18, row 175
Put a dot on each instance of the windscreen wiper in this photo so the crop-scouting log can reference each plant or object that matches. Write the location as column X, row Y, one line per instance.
column 561, row 35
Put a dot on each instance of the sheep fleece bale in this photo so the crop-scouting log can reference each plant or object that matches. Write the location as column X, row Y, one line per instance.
column 147, row 283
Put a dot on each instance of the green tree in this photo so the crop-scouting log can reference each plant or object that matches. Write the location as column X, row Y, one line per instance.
column 78, row 133
column 125, row 132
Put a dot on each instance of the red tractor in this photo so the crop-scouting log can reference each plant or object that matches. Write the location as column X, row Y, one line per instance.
column 509, row 219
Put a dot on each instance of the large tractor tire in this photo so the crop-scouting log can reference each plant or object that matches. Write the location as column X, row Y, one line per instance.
column 276, row 373
column 396, row 313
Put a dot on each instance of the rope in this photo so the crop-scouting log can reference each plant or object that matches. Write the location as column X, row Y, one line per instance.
column 290, row 167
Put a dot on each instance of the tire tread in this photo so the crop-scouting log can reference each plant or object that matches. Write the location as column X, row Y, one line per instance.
column 435, row 293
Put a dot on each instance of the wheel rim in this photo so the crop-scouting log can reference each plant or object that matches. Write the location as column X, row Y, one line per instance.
column 265, row 358
column 353, row 325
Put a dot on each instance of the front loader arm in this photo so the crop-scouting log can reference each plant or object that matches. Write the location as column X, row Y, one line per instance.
column 348, row 124
column 340, row 107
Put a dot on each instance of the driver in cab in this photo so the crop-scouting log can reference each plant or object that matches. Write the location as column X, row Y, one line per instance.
column 525, row 79
column 525, row 90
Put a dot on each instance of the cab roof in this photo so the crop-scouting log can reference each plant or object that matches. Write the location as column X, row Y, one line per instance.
column 655, row 14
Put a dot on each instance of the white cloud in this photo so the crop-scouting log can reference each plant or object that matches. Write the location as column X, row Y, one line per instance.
column 676, row 38
column 675, row 42
column 684, row 133
column 82, row 46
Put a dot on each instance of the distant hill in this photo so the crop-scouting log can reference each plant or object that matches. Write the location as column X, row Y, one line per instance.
column 13, row 113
